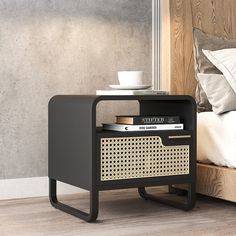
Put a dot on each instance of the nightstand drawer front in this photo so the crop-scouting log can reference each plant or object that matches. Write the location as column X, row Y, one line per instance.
column 140, row 157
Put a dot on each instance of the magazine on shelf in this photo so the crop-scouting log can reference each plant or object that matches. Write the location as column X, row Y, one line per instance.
column 147, row 120
column 127, row 128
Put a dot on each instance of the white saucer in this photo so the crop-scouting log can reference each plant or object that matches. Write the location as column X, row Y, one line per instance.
column 126, row 87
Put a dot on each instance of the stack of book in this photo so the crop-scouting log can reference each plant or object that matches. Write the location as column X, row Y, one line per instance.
column 145, row 123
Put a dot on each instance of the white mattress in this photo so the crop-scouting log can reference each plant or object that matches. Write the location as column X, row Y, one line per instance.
column 216, row 138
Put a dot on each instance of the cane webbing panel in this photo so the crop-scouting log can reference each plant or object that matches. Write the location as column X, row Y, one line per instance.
column 140, row 157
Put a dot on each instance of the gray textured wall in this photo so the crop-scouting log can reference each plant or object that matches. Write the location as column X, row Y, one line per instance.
column 50, row 47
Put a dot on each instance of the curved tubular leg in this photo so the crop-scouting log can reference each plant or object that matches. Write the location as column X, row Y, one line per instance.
column 89, row 217
column 183, row 206
column 142, row 193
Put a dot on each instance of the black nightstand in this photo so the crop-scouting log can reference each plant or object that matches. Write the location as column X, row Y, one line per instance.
column 83, row 155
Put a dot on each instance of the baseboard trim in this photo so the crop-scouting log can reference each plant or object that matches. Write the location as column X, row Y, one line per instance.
column 31, row 187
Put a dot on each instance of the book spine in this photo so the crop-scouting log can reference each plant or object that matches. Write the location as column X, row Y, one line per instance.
column 118, row 127
column 155, row 127
column 156, row 120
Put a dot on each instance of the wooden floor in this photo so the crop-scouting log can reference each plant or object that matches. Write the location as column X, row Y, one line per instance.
column 122, row 212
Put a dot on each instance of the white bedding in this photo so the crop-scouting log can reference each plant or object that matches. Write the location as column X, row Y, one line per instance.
column 216, row 138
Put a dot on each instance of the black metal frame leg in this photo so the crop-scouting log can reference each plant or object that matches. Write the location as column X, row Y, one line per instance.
column 191, row 198
column 89, row 217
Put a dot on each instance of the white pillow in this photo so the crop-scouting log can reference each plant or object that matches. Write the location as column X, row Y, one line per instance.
column 225, row 61
column 219, row 92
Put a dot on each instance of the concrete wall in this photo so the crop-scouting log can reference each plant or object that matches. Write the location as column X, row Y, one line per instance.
column 50, row 47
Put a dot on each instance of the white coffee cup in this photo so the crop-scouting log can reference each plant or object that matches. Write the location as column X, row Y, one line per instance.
column 130, row 78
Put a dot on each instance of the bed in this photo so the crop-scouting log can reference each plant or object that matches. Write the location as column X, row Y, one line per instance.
column 216, row 173
column 217, row 138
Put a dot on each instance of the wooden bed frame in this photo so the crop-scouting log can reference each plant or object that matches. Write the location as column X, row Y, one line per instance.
column 217, row 17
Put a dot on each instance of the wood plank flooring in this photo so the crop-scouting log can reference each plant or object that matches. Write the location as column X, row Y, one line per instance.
column 122, row 212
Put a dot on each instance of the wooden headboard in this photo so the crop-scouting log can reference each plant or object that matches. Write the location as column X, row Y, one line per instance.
column 217, row 17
